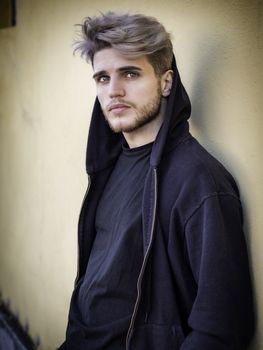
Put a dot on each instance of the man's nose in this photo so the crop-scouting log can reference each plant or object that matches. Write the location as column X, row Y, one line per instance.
column 116, row 88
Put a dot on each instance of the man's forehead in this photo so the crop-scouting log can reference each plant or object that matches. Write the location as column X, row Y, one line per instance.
column 112, row 59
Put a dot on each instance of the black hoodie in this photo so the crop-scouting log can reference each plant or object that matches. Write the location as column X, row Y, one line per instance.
column 194, row 288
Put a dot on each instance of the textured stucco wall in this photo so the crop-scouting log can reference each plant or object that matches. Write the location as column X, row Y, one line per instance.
column 46, row 96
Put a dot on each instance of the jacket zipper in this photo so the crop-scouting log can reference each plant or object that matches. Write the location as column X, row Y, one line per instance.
column 80, row 217
column 139, row 281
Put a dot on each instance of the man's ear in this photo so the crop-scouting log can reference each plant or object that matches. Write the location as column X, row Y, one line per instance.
column 166, row 82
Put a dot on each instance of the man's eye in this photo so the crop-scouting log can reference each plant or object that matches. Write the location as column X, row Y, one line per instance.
column 131, row 75
column 102, row 79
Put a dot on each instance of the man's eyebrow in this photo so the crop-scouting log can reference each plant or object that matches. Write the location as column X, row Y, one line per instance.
column 125, row 68
column 121, row 69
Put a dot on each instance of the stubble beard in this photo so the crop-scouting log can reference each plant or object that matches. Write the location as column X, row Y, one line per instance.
column 144, row 115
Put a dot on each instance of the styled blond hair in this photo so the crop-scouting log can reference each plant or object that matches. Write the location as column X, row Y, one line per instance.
column 133, row 35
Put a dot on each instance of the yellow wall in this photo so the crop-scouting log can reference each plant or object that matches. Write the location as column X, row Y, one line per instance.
column 46, row 96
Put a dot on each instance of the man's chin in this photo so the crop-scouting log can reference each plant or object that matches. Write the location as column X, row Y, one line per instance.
column 123, row 127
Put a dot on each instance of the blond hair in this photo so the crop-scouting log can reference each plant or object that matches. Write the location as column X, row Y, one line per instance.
column 133, row 35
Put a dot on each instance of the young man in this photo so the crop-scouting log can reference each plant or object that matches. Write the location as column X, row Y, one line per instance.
column 162, row 257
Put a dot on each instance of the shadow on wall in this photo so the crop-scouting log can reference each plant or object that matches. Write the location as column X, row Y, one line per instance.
column 209, row 57
column 206, row 104
column 212, row 106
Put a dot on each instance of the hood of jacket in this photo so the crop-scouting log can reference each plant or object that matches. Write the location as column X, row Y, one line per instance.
column 104, row 146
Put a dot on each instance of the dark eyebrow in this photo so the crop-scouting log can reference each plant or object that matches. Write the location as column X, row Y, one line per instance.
column 121, row 69
column 125, row 68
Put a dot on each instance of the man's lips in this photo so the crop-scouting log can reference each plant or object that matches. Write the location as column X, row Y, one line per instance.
column 118, row 107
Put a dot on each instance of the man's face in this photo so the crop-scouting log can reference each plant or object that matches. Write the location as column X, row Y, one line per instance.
column 128, row 90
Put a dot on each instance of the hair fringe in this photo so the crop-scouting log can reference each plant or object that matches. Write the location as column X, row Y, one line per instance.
column 133, row 35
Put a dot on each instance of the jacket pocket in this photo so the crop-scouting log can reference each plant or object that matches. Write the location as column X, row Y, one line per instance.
column 156, row 337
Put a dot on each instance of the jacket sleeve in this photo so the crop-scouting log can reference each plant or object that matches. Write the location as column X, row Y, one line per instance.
column 222, row 316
